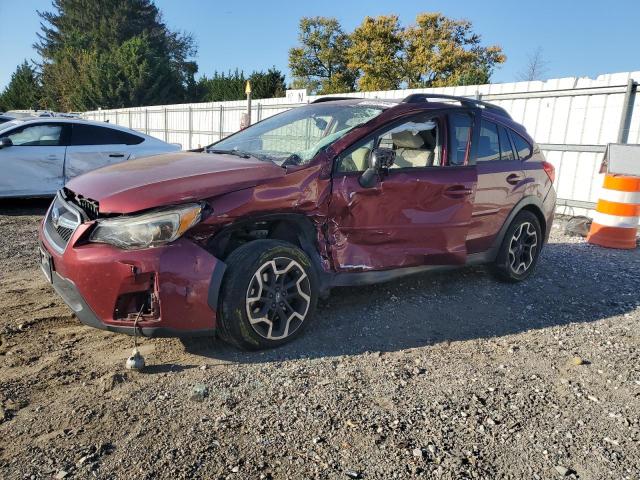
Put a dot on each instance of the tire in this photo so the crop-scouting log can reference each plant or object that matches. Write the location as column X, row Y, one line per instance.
column 246, row 319
column 520, row 248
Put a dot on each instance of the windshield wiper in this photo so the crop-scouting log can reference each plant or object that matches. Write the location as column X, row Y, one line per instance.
column 237, row 153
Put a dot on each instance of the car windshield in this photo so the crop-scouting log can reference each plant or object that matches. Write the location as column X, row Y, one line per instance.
column 297, row 135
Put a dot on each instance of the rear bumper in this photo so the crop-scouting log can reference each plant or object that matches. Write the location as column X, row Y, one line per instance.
column 101, row 284
column 549, row 210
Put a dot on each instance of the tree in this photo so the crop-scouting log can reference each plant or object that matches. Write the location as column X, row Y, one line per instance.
column 381, row 54
column 376, row 52
column 440, row 51
column 24, row 90
column 122, row 41
column 536, row 68
column 230, row 86
column 319, row 62
column 269, row 84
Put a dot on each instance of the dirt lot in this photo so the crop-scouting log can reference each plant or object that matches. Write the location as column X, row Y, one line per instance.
column 448, row 375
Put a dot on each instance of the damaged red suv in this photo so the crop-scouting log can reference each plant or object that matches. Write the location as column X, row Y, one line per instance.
column 242, row 238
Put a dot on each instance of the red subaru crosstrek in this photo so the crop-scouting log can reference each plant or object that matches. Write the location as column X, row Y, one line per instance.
column 241, row 238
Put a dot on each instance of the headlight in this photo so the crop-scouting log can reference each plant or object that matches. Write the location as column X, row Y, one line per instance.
column 149, row 229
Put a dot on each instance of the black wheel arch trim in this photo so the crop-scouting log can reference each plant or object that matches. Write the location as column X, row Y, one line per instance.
column 306, row 233
column 215, row 285
column 521, row 205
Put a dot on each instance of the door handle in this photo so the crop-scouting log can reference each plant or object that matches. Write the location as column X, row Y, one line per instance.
column 116, row 155
column 458, row 191
column 514, row 178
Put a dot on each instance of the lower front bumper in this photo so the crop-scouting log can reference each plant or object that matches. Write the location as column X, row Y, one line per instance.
column 71, row 296
column 174, row 287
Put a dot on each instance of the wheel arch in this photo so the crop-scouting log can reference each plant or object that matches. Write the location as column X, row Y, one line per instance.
column 531, row 204
column 295, row 228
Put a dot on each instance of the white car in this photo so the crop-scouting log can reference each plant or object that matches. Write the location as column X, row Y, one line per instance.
column 38, row 156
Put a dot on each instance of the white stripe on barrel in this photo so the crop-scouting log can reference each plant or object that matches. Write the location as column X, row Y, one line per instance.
column 615, row 220
column 619, row 196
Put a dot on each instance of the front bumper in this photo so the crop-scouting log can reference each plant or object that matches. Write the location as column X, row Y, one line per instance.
column 102, row 283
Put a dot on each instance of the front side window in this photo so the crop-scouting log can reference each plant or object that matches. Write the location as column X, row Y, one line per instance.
column 416, row 143
column 297, row 135
column 36, row 136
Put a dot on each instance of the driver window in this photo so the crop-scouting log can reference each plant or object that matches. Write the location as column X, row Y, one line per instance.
column 416, row 143
column 356, row 160
column 36, row 135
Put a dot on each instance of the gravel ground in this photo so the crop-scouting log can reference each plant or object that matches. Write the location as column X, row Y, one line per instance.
column 446, row 375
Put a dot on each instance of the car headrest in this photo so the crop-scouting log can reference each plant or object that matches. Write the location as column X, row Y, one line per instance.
column 407, row 139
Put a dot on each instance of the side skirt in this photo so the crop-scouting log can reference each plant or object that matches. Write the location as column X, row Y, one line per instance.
column 352, row 279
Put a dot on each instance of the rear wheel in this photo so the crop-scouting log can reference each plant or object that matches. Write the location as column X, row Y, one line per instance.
column 520, row 249
column 269, row 295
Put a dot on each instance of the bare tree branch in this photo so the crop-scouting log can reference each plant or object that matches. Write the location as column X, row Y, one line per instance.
column 536, row 69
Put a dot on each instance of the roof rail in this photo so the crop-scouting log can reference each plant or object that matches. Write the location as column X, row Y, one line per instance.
column 331, row 99
column 467, row 102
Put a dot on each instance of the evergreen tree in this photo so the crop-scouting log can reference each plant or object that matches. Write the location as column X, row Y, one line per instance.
column 230, row 86
column 24, row 90
column 112, row 53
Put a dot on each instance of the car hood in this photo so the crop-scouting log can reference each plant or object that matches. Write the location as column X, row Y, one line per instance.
column 169, row 179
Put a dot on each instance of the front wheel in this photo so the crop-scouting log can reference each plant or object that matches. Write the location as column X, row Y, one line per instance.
column 520, row 249
column 269, row 295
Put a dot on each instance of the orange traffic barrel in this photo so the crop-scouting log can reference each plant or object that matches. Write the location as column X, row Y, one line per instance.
column 615, row 222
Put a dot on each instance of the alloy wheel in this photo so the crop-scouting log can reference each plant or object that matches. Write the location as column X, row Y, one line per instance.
column 278, row 298
column 522, row 248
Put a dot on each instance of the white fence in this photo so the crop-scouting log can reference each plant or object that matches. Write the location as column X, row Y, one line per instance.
column 572, row 119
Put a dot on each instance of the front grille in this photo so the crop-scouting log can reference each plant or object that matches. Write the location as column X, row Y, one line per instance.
column 60, row 223
column 91, row 208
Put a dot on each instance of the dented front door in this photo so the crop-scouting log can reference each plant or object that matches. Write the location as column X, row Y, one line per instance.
column 415, row 215
column 408, row 219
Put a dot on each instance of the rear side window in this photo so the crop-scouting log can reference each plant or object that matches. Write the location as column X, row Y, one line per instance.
column 459, row 136
column 522, row 146
column 93, row 135
column 506, row 150
column 489, row 144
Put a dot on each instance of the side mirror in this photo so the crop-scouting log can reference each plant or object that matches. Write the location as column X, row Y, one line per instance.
column 5, row 142
column 380, row 160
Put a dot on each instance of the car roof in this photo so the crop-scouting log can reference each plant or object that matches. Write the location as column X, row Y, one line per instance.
column 77, row 121
column 489, row 111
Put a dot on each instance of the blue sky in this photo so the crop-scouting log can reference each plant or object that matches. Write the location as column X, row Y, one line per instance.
column 581, row 38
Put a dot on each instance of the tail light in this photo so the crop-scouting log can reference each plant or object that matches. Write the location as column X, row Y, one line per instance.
column 550, row 170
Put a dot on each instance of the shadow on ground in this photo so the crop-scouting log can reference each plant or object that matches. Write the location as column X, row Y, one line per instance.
column 18, row 207
column 574, row 283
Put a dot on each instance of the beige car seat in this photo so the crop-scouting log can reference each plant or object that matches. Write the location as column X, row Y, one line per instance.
column 411, row 150
column 360, row 158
